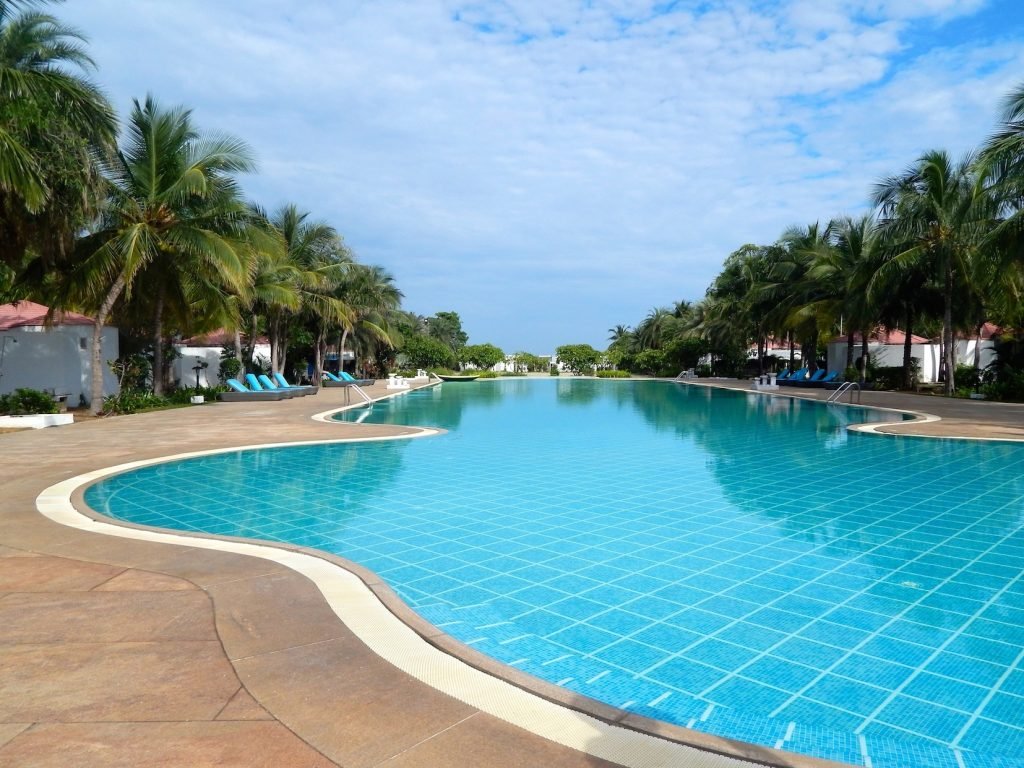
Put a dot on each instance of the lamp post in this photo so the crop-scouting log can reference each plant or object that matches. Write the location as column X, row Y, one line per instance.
column 197, row 368
column 3, row 350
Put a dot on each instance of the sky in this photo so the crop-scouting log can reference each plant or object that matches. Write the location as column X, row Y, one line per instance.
column 552, row 168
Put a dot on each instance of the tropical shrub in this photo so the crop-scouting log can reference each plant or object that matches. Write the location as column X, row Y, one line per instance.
column 424, row 352
column 578, row 358
column 25, row 402
column 553, row 370
column 483, row 356
column 613, row 374
column 230, row 366
column 887, row 376
column 486, row 374
column 1008, row 387
column 184, row 395
column 703, row 371
column 132, row 401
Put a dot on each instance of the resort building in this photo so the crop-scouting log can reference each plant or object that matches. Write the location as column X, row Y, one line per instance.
column 55, row 355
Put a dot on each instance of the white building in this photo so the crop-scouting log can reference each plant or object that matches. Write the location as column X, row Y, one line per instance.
column 886, row 350
column 58, row 358
column 207, row 349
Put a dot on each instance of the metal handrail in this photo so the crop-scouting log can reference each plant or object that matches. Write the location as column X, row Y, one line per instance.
column 846, row 386
column 359, row 391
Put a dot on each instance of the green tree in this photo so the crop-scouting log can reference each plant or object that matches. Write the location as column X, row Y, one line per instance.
column 425, row 352
column 373, row 300
column 171, row 196
column 578, row 358
column 936, row 216
column 446, row 327
column 54, row 127
column 483, row 356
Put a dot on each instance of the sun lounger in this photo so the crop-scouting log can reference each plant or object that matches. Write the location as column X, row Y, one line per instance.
column 797, row 377
column 330, row 380
column 240, row 393
column 818, row 375
column 282, row 383
column 352, row 380
column 270, row 386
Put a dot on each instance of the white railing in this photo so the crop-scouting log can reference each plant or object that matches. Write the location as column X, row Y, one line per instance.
column 359, row 391
column 846, row 386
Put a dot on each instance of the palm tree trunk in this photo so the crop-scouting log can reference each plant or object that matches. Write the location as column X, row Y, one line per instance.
column 96, row 358
column 947, row 331
column 792, row 352
column 158, row 343
column 849, row 349
column 908, row 374
column 274, row 331
column 341, row 349
column 977, row 346
column 319, row 350
column 238, row 349
column 864, row 356
column 251, row 366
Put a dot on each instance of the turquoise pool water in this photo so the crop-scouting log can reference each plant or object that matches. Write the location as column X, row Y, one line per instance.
column 729, row 562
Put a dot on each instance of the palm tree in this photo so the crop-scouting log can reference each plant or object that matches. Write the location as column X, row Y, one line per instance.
column 318, row 261
column 373, row 299
column 173, row 204
column 936, row 215
column 54, row 123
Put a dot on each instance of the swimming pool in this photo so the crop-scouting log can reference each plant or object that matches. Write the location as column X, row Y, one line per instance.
column 730, row 562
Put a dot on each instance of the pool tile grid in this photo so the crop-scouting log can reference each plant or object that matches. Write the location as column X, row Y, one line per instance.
column 712, row 533
column 712, row 523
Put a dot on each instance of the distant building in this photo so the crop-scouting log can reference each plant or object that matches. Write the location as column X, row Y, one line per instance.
column 58, row 358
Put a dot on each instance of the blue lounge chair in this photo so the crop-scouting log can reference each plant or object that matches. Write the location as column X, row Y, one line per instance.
column 253, row 382
column 783, row 376
column 818, row 375
column 281, row 382
column 352, row 380
column 796, row 377
column 330, row 380
column 269, row 386
column 240, row 393
column 831, row 377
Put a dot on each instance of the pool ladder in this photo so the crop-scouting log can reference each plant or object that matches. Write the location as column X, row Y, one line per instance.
column 846, row 386
column 359, row 391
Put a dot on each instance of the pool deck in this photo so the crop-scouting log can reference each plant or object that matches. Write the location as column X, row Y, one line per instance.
column 119, row 652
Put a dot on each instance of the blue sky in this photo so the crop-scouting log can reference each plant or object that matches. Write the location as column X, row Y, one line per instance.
column 551, row 169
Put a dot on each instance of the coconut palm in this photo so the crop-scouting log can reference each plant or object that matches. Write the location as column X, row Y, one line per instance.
column 373, row 298
column 317, row 261
column 53, row 124
column 936, row 215
column 172, row 203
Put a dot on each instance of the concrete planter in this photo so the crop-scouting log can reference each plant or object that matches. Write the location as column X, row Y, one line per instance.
column 197, row 399
column 36, row 420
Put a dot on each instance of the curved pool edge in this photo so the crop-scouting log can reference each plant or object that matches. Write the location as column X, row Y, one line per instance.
column 868, row 428
column 391, row 629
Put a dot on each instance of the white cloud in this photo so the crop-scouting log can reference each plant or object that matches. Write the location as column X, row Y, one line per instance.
column 602, row 157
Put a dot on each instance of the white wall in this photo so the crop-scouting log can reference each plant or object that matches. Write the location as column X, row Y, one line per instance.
column 54, row 359
column 888, row 355
column 965, row 352
column 210, row 376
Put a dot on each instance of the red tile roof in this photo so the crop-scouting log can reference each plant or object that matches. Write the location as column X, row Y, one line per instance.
column 885, row 336
column 218, row 338
column 24, row 313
